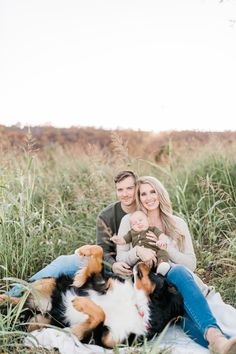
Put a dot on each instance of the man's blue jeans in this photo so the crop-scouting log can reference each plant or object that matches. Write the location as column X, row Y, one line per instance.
column 68, row 265
column 198, row 316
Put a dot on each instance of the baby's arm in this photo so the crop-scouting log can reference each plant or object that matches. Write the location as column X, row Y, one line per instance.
column 122, row 240
column 118, row 240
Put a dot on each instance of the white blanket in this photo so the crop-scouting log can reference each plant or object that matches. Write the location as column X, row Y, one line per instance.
column 66, row 343
column 175, row 338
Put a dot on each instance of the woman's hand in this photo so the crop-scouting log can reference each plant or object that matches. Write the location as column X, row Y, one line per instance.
column 159, row 242
column 152, row 237
column 146, row 255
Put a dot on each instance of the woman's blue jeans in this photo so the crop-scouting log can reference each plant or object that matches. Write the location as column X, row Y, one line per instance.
column 198, row 316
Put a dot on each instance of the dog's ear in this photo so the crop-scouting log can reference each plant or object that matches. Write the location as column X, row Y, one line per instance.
column 154, row 268
column 158, row 280
column 172, row 289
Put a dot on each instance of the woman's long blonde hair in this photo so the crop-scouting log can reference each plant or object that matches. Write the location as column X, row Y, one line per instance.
column 166, row 213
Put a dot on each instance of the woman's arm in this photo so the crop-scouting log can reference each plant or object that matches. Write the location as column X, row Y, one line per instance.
column 186, row 256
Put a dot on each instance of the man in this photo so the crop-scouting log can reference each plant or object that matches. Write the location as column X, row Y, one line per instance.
column 109, row 219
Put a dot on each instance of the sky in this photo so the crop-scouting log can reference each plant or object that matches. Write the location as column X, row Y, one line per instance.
column 152, row 65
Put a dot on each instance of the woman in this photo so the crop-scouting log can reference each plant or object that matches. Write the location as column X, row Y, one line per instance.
column 199, row 323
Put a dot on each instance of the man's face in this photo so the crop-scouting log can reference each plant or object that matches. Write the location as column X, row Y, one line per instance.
column 125, row 191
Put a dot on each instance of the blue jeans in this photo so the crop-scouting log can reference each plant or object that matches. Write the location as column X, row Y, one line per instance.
column 198, row 318
column 63, row 264
column 68, row 265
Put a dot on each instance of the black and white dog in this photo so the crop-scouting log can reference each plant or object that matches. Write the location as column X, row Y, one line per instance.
column 107, row 308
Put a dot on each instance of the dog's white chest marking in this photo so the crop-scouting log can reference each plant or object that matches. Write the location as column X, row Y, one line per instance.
column 126, row 309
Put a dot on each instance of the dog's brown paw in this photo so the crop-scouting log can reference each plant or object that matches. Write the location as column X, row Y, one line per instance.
column 4, row 298
column 95, row 314
column 87, row 306
column 81, row 304
column 94, row 265
column 38, row 322
column 108, row 340
column 90, row 250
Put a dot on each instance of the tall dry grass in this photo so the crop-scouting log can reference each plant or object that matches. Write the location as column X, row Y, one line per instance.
column 50, row 200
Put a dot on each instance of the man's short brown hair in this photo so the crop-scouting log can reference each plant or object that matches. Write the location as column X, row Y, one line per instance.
column 124, row 174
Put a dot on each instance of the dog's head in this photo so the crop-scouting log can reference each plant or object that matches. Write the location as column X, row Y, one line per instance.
column 144, row 279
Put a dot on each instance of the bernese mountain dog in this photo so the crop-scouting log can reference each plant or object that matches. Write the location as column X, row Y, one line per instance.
column 107, row 308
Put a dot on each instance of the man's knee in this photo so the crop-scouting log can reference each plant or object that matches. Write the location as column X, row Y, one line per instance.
column 61, row 259
column 67, row 262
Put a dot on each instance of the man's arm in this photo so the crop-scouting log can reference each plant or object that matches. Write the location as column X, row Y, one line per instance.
column 128, row 237
column 103, row 234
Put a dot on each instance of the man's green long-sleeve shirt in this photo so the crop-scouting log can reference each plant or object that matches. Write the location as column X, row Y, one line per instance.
column 108, row 223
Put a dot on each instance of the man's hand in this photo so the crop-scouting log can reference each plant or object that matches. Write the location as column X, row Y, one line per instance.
column 121, row 268
column 118, row 240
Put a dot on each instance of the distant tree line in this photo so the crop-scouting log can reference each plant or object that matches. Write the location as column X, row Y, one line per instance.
column 155, row 146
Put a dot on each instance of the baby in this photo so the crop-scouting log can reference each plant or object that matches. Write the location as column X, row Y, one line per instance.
column 137, row 236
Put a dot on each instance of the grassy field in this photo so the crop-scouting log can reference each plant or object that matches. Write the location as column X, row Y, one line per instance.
column 49, row 201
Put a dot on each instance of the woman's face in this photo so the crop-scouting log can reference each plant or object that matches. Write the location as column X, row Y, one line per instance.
column 148, row 197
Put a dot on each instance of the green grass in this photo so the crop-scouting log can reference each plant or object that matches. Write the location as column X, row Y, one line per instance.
column 49, row 201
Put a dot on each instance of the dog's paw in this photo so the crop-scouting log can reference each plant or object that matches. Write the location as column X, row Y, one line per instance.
column 80, row 304
column 108, row 340
column 4, row 298
column 38, row 322
column 89, row 250
column 77, row 331
column 90, row 308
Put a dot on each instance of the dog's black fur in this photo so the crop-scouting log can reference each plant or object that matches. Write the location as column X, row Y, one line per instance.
column 166, row 304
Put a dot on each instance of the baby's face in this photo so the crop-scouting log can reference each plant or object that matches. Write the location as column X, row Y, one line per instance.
column 139, row 221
